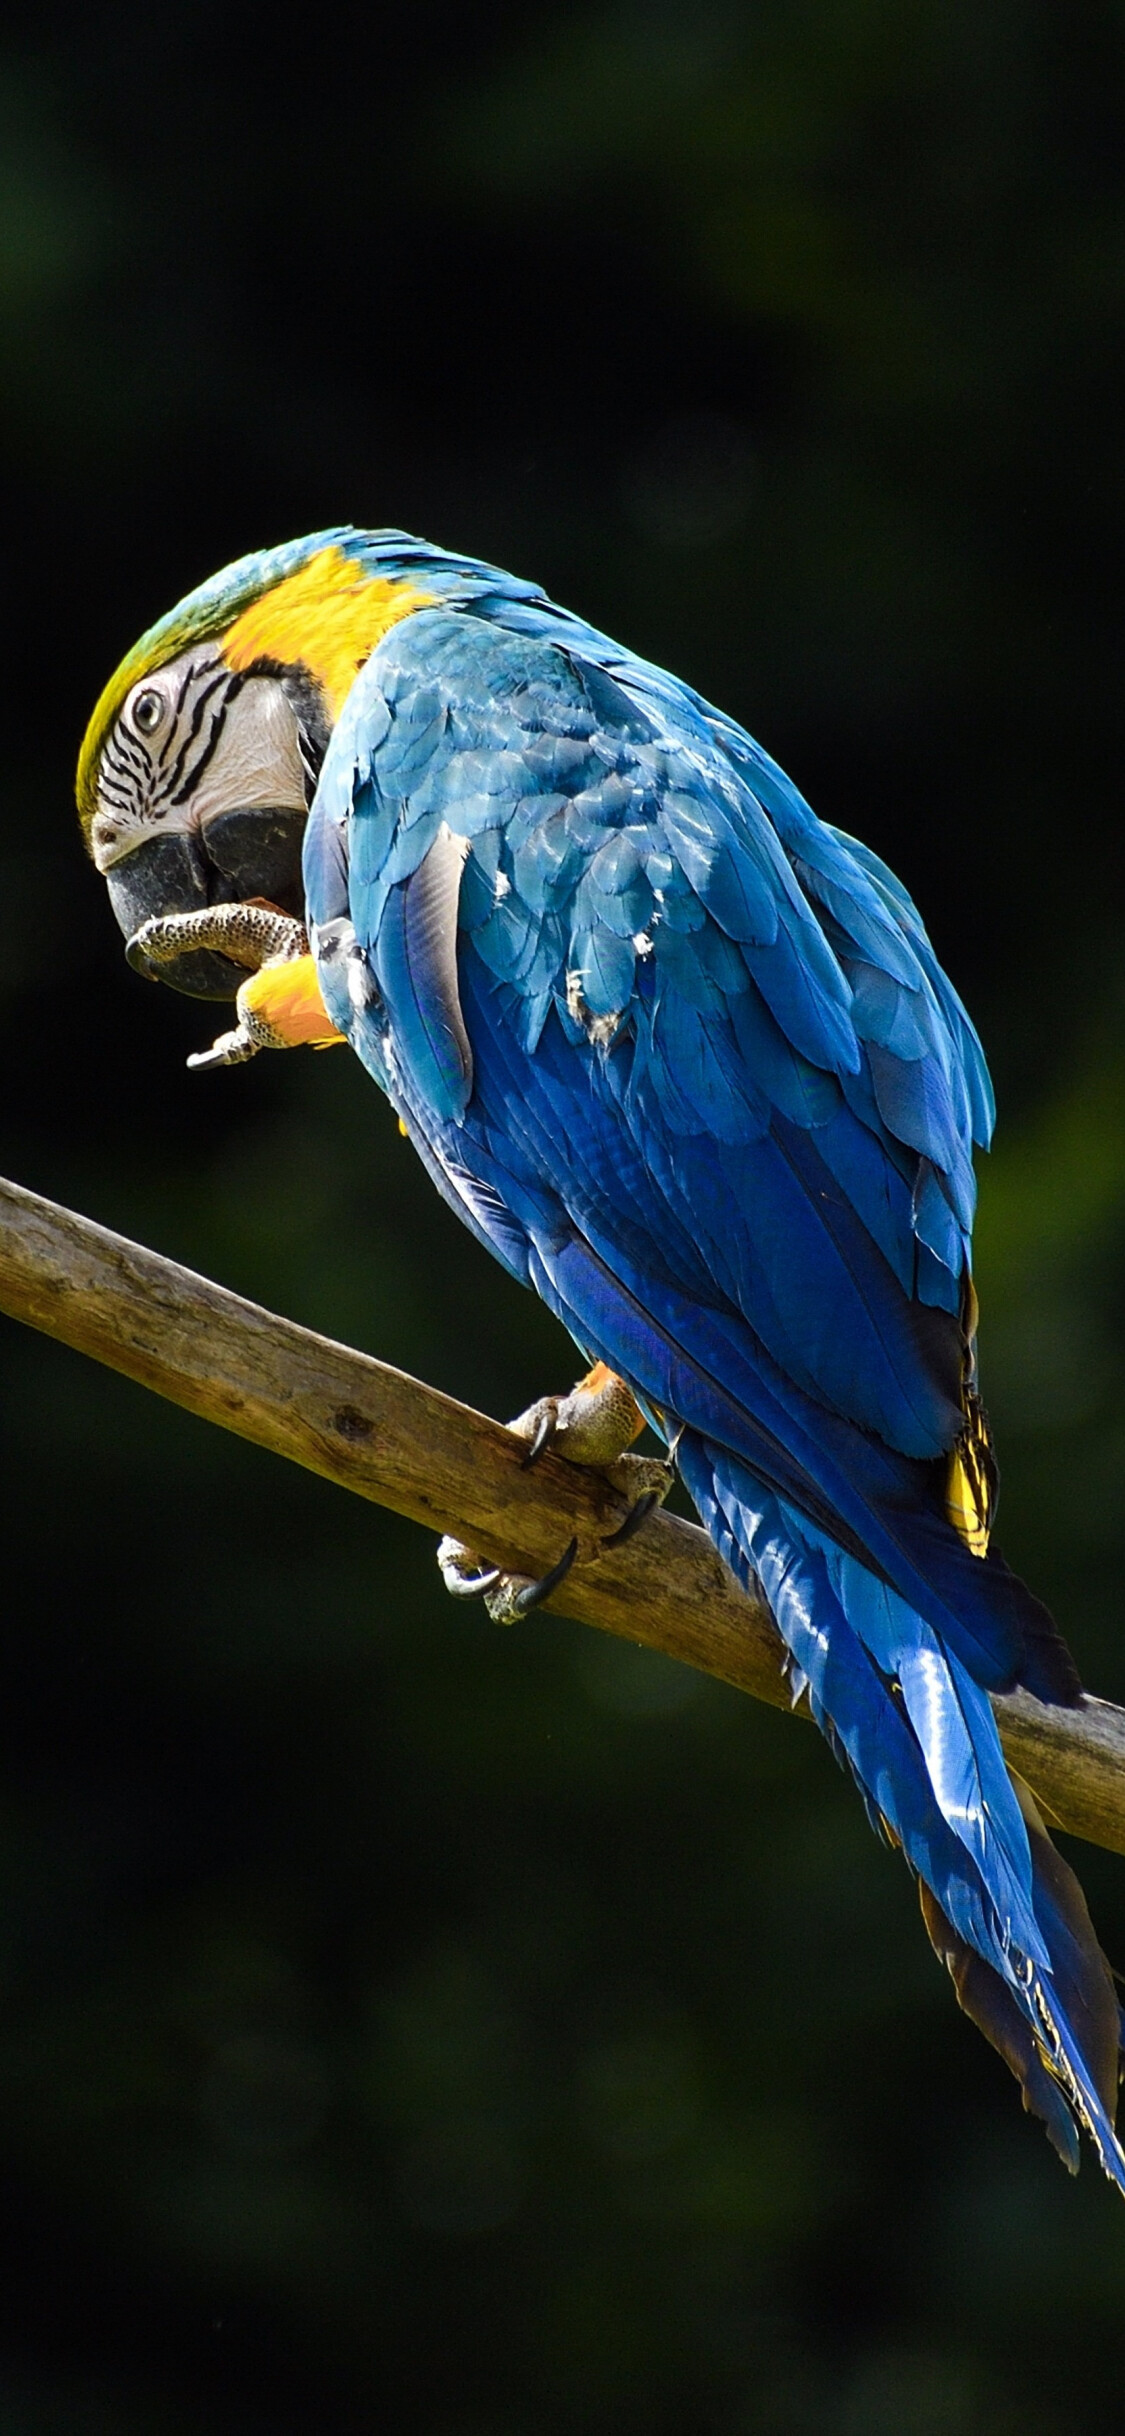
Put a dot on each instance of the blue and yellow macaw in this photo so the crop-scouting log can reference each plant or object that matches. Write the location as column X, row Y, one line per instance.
column 683, row 1058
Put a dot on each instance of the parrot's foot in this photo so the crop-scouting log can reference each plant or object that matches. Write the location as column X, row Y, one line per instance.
column 593, row 1426
column 279, row 1004
column 251, row 935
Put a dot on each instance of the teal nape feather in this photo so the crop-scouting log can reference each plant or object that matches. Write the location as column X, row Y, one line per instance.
column 682, row 1057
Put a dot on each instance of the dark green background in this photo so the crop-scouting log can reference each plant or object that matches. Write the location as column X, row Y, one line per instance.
column 405, row 2024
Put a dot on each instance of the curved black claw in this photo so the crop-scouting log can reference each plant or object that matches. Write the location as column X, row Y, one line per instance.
column 472, row 1586
column 637, row 1514
column 545, row 1429
column 533, row 1593
column 454, row 1560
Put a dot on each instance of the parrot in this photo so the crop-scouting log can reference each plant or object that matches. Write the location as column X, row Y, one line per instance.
column 682, row 1057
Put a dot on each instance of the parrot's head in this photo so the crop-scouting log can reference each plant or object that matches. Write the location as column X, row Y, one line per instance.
column 202, row 756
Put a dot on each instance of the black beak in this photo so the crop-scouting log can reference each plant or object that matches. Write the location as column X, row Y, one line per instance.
column 240, row 854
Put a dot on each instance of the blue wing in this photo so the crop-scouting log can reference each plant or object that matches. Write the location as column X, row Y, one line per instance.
column 684, row 1058
column 749, row 1137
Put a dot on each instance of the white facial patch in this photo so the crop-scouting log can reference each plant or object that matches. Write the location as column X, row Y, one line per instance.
column 191, row 740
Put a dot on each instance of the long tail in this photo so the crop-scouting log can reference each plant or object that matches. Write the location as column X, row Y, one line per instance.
column 1002, row 1908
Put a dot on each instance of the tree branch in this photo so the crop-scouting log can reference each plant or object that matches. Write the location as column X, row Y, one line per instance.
column 389, row 1438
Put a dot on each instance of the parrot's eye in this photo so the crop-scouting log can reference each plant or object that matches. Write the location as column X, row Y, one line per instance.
column 148, row 711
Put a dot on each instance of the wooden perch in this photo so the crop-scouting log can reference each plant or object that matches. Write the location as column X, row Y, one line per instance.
column 386, row 1436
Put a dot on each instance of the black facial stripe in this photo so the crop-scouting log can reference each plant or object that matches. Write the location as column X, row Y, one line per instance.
column 192, row 670
column 190, row 673
column 124, row 786
column 174, row 775
column 234, row 688
column 115, row 768
column 129, row 755
column 121, row 799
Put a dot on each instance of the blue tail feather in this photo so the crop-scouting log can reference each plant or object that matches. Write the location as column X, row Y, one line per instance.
column 1001, row 1906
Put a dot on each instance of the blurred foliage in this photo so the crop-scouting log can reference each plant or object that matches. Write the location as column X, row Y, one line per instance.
column 403, row 2023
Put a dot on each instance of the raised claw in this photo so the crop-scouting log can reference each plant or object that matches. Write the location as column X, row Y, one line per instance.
column 279, row 1004
column 230, row 1049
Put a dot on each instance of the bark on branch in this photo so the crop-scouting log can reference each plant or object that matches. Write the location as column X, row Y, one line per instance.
column 403, row 1445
